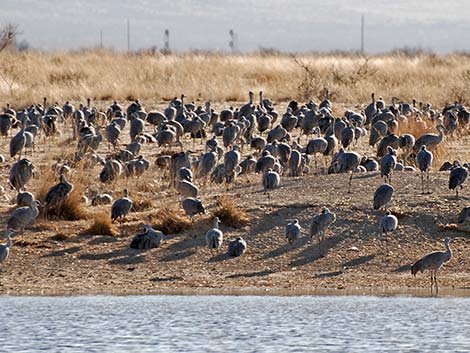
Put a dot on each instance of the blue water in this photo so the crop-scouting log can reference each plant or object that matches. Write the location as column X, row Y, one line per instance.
column 234, row 324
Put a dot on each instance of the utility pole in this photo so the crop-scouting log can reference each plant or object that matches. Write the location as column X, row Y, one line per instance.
column 128, row 35
column 233, row 41
column 101, row 38
column 362, row 34
column 166, row 41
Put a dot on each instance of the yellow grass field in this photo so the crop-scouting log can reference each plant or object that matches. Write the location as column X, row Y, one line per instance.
column 102, row 75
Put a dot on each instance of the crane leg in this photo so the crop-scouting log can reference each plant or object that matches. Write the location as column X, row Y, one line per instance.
column 350, row 181
column 435, row 283
column 427, row 179
column 422, row 182
column 432, row 283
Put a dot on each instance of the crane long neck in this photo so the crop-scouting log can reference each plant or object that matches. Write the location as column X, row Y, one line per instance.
column 448, row 251
column 8, row 244
column 216, row 223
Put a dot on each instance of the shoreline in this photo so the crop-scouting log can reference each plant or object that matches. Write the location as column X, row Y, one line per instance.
column 460, row 292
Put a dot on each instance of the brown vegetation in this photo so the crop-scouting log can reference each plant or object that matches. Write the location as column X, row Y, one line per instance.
column 102, row 225
column 104, row 75
column 170, row 220
column 230, row 214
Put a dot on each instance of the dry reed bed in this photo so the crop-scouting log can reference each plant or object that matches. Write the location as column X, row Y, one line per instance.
column 27, row 77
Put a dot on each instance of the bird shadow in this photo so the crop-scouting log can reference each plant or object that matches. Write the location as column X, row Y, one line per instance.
column 251, row 274
column 328, row 274
column 285, row 248
column 124, row 256
column 63, row 252
column 318, row 250
column 404, row 268
column 359, row 260
column 179, row 255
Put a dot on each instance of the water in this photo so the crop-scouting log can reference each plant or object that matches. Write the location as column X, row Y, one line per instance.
column 234, row 324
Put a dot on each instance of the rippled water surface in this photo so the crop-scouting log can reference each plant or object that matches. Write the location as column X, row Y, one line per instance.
column 234, row 324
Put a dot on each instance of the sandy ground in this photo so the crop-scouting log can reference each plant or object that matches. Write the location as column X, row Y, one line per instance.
column 355, row 260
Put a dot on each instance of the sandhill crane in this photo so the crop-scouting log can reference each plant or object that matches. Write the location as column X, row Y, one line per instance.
column 20, row 173
column 406, row 143
column 111, row 171
column 433, row 262
column 248, row 165
column 388, row 163
column 214, row 236
column 370, row 110
column 430, row 140
column 207, row 163
column 382, row 196
column 192, row 207
column 5, row 248
column 24, row 198
column 378, row 130
column 271, row 180
column 231, row 161
column 391, row 140
column 388, row 223
column 101, row 199
column 316, row 145
column 23, row 217
column 58, row 193
column 320, row 223
column 424, row 163
column 236, row 247
column 18, row 142
column 248, row 108
column 464, row 214
column 229, row 134
column 111, row 133
column 344, row 162
column 186, row 189
column 457, row 177
column 293, row 231
column 121, row 208
column 294, row 163
column 148, row 239
column 347, row 136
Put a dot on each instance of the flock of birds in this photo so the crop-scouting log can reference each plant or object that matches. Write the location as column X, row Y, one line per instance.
column 274, row 153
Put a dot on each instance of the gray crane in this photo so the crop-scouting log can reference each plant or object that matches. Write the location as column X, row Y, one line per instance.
column 24, row 198
column 148, row 239
column 271, row 180
column 214, row 236
column 457, row 177
column 58, row 193
column 464, row 214
column 388, row 223
column 112, row 132
column 424, row 163
column 430, row 140
column 5, row 248
column 406, row 143
column 344, row 162
column 320, row 223
column 236, row 247
column 22, row 217
column 20, row 173
column 433, row 262
column 186, row 188
column 18, row 142
column 192, row 207
column 388, row 163
column 383, row 196
column 293, row 231
column 111, row 171
column 121, row 208
column 101, row 199
column 231, row 161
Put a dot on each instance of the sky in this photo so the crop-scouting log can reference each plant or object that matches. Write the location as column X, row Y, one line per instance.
column 286, row 25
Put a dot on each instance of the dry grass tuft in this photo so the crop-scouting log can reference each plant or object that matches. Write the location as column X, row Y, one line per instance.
column 102, row 225
column 229, row 214
column 171, row 220
column 72, row 209
column 141, row 204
